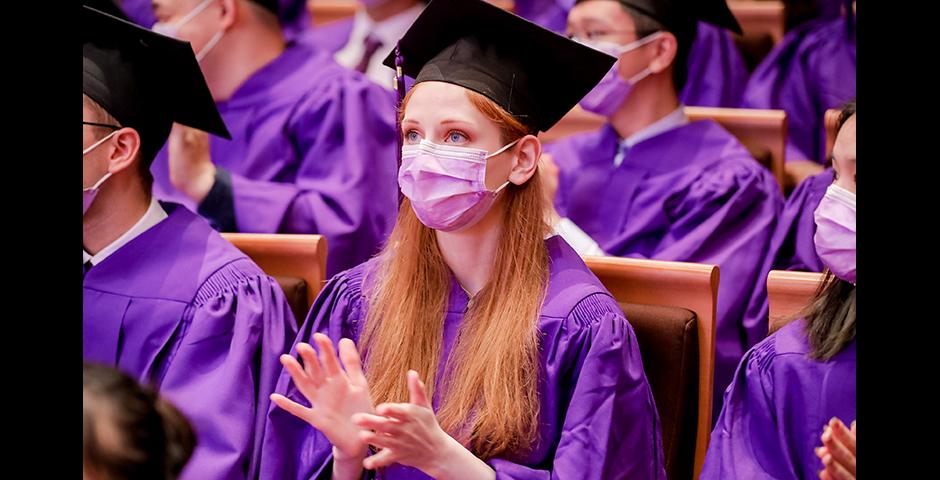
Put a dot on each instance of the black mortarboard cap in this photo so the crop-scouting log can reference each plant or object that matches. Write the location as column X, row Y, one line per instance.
column 680, row 16
column 145, row 80
column 531, row 72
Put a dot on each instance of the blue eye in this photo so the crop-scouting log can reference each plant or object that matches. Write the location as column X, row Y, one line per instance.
column 456, row 137
column 412, row 136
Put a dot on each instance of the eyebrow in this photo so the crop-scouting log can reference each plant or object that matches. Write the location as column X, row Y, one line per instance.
column 457, row 122
column 449, row 121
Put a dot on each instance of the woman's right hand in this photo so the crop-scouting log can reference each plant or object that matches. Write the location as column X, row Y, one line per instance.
column 334, row 395
column 838, row 451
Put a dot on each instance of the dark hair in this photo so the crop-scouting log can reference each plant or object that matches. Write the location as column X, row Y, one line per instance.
column 847, row 111
column 143, row 164
column 830, row 317
column 646, row 25
column 151, row 439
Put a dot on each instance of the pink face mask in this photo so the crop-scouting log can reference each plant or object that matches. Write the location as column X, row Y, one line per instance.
column 446, row 184
column 613, row 90
column 89, row 194
column 835, row 232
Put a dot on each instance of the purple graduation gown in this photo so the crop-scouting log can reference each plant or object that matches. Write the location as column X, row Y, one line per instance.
column 139, row 12
column 598, row 419
column 791, row 248
column 181, row 308
column 331, row 37
column 551, row 14
column 313, row 150
column 690, row 194
column 776, row 408
column 810, row 71
column 717, row 73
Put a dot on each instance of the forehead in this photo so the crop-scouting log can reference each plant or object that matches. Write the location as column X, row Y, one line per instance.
column 608, row 12
column 431, row 101
column 844, row 147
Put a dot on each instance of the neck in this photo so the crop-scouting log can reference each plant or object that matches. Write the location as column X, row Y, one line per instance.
column 388, row 9
column 120, row 204
column 469, row 253
column 653, row 99
column 239, row 54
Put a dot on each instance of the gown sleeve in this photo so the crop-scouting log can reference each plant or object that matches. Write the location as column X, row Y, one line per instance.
column 233, row 332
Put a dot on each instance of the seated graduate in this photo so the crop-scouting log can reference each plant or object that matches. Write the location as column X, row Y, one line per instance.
column 531, row 369
column 313, row 144
column 652, row 184
column 803, row 375
column 164, row 297
column 717, row 73
column 792, row 246
column 128, row 431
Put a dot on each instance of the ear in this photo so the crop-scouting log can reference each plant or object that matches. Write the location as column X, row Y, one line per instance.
column 528, row 151
column 664, row 50
column 230, row 13
column 125, row 146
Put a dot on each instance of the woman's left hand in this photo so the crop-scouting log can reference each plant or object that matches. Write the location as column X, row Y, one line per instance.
column 408, row 434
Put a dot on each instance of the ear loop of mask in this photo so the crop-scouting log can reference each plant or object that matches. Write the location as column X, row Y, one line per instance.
column 638, row 43
column 614, row 49
column 99, row 142
column 633, row 46
column 92, row 147
column 501, row 150
column 99, row 182
column 208, row 47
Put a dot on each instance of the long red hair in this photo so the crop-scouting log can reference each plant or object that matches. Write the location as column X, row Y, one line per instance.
column 489, row 392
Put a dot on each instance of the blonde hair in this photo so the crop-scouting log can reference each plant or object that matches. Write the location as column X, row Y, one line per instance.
column 489, row 392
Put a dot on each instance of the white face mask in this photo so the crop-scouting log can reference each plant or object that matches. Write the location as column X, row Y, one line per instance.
column 89, row 194
column 172, row 29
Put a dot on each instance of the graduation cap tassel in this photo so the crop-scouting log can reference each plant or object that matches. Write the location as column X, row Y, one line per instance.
column 400, row 89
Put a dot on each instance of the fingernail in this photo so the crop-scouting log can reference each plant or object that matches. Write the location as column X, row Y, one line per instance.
column 827, row 459
column 826, row 436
